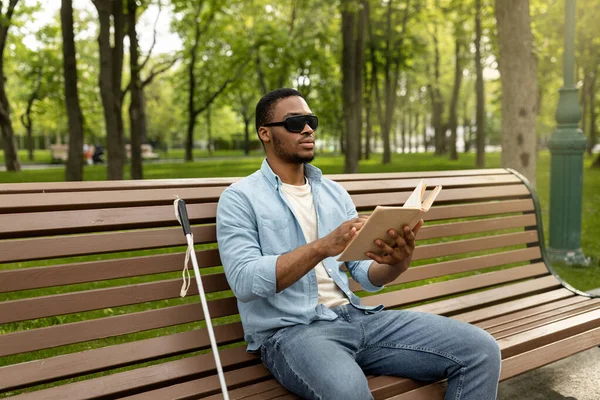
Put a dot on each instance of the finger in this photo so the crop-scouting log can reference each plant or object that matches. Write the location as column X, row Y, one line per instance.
column 352, row 232
column 376, row 257
column 397, row 238
column 417, row 227
column 384, row 247
column 409, row 236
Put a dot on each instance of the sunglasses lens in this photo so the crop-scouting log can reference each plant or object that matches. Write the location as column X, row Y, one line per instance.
column 296, row 124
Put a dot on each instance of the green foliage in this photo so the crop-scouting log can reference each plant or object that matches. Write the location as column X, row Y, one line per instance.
column 259, row 45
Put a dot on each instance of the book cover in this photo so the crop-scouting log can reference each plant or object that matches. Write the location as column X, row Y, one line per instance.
column 385, row 218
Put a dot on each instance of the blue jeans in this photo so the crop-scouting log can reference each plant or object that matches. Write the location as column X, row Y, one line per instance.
column 329, row 359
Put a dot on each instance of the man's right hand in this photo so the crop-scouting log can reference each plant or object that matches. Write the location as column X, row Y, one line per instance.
column 334, row 243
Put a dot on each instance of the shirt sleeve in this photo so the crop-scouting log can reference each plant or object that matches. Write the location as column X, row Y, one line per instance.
column 359, row 270
column 250, row 274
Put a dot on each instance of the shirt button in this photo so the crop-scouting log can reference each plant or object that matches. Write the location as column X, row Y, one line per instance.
column 329, row 270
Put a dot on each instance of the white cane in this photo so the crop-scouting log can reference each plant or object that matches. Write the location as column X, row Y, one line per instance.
column 182, row 217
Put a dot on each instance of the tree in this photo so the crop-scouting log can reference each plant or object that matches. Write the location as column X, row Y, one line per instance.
column 74, row 169
column 394, row 58
column 479, row 91
column 110, row 44
column 519, row 88
column 8, row 136
column 137, row 112
column 35, row 75
column 209, row 57
column 353, row 28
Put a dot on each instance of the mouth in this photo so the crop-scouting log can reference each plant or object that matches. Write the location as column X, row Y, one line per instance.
column 308, row 144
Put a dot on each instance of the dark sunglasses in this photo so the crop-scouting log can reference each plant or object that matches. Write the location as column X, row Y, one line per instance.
column 296, row 123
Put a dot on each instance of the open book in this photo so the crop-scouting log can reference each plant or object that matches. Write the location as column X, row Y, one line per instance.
column 385, row 218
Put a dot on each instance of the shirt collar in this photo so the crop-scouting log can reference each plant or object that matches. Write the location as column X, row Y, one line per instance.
column 311, row 172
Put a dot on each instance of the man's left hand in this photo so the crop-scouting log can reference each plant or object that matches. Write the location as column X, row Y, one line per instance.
column 399, row 254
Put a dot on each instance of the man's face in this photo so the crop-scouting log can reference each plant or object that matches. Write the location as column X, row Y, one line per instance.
column 294, row 148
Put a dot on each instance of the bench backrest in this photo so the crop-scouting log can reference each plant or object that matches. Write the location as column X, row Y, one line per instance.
column 96, row 266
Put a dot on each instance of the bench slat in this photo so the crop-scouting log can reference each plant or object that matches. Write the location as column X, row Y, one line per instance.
column 462, row 265
column 68, row 303
column 57, row 201
column 67, row 274
column 83, row 331
column 478, row 226
column 37, row 202
column 98, row 220
column 70, row 365
column 546, row 318
column 545, row 355
column 546, row 334
column 440, row 289
column 366, row 201
column 416, row 175
column 144, row 377
column 476, row 244
column 76, row 245
column 508, row 311
column 355, row 187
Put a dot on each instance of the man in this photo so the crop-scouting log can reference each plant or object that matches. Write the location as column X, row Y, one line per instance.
column 279, row 231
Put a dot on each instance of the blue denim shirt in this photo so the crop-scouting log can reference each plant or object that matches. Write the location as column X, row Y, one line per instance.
column 255, row 225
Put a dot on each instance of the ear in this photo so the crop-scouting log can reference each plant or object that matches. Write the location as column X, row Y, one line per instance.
column 264, row 133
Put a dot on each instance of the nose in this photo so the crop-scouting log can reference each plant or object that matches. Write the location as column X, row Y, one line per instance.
column 307, row 130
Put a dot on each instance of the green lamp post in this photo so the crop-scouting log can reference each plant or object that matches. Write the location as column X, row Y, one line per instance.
column 567, row 145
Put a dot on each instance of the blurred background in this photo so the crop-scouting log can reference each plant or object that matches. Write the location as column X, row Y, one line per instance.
column 384, row 76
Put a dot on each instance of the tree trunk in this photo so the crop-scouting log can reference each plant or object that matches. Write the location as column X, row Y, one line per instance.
column 479, row 91
column 415, row 132
column 74, row 168
column 352, row 66
column 111, row 63
column 425, row 147
column 209, row 131
column 369, row 127
column 454, row 101
column 518, row 76
column 137, row 116
column 11, row 157
column 403, row 131
column 26, row 118
column 247, row 136
column 466, row 129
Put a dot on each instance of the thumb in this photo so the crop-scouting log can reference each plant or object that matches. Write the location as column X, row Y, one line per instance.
column 417, row 227
column 350, row 234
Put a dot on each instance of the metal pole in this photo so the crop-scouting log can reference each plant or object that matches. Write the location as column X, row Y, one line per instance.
column 567, row 145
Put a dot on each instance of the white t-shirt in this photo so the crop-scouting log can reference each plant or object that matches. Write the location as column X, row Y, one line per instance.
column 301, row 200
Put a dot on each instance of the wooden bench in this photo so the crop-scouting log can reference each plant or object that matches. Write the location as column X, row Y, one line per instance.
column 59, row 152
column 146, row 150
column 90, row 274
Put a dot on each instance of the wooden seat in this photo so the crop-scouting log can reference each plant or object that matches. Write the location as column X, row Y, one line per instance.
column 90, row 274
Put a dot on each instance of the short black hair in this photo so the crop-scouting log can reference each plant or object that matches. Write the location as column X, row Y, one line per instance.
column 266, row 105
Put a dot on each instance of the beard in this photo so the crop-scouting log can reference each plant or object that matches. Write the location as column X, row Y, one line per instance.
column 293, row 158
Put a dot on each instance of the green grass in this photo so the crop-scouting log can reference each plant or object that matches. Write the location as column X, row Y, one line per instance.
column 228, row 164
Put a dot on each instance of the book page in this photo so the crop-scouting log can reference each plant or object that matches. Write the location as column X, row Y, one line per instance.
column 416, row 197
column 431, row 198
